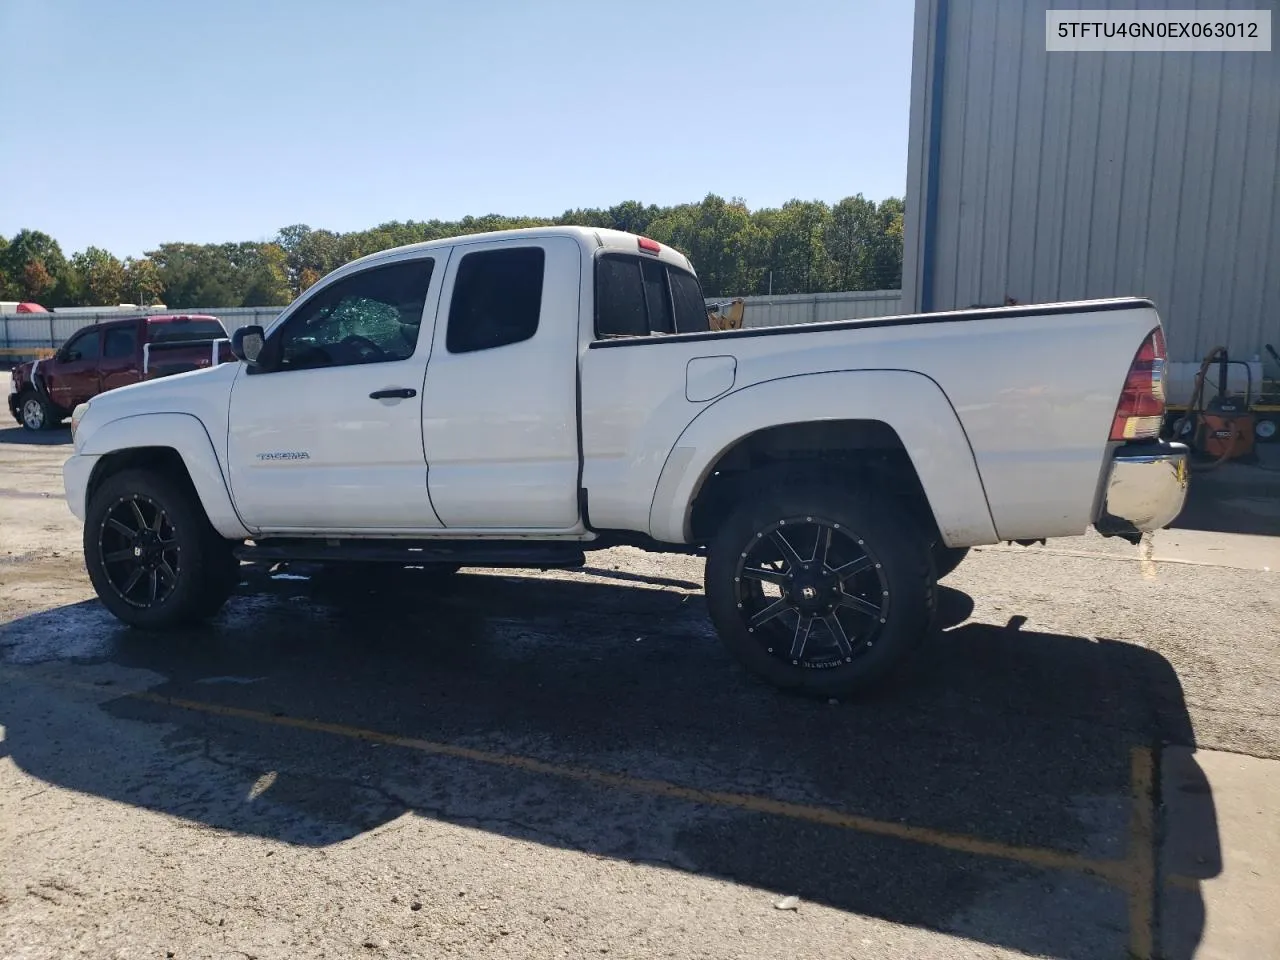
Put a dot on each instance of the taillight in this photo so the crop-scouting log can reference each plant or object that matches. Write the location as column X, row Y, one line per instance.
column 648, row 246
column 1141, row 408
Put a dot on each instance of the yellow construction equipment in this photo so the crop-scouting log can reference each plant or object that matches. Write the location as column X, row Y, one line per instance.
column 726, row 314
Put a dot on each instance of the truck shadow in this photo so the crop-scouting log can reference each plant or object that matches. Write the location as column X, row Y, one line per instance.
column 45, row 438
column 998, row 734
column 1236, row 497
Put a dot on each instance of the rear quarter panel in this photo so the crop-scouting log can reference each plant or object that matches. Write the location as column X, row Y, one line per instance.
column 1036, row 396
column 1030, row 395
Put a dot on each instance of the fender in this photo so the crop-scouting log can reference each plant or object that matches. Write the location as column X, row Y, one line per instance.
column 911, row 403
column 185, row 434
column 37, row 383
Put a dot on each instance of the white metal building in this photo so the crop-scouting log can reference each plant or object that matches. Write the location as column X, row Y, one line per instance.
column 1057, row 176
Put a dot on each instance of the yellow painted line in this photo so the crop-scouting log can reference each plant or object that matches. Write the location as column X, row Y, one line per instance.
column 1142, row 854
column 1135, row 874
column 1113, row 871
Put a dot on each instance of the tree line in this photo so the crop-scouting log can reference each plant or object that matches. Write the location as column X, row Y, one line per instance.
column 801, row 247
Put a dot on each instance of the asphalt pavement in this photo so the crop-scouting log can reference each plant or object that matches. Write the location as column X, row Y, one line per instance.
column 525, row 764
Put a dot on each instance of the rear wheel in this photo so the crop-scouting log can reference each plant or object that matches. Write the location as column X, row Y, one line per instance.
column 820, row 588
column 152, row 555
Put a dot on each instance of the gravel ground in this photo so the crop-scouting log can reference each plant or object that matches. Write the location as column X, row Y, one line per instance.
column 229, row 825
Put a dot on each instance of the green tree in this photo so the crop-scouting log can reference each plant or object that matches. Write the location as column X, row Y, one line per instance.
column 143, row 283
column 315, row 254
column 293, row 241
column 632, row 217
column 803, row 246
column 99, row 275
column 196, row 275
column 886, row 254
column 795, row 253
column 849, row 240
column 267, row 280
column 36, row 280
column 8, row 290
column 307, row 278
column 39, row 252
column 718, row 236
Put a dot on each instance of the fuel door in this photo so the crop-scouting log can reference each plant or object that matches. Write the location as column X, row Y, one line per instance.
column 706, row 378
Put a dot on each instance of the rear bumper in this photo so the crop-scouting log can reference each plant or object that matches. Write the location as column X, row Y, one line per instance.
column 1145, row 490
column 15, row 410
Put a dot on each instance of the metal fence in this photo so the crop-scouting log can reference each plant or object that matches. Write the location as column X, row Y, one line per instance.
column 32, row 334
column 816, row 307
column 35, row 332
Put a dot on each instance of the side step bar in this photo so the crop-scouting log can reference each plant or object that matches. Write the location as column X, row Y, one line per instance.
column 468, row 553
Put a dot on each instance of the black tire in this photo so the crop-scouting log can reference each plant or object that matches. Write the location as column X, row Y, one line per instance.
column 35, row 414
column 878, row 540
column 946, row 559
column 170, row 528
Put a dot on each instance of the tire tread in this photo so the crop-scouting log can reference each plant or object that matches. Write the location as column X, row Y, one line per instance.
column 211, row 572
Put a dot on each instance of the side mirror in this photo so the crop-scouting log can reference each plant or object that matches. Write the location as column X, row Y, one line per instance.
column 246, row 343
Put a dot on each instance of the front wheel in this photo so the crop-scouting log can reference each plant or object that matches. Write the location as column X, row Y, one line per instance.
column 820, row 588
column 35, row 413
column 152, row 555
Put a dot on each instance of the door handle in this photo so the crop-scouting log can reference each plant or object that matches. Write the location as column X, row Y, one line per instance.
column 401, row 393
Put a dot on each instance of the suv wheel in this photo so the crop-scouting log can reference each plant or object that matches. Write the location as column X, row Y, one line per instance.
column 820, row 588
column 152, row 555
column 35, row 413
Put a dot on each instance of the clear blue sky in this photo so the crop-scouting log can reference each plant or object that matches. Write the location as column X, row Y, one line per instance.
column 127, row 124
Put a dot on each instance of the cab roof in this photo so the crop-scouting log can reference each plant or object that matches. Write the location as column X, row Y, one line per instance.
column 589, row 238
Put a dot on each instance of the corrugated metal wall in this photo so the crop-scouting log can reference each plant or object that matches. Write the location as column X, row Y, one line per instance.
column 814, row 307
column 30, row 331
column 22, row 331
column 1064, row 176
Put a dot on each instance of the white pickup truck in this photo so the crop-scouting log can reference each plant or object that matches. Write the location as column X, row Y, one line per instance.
column 518, row 398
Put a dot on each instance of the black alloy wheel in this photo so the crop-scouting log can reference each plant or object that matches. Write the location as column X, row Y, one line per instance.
column 154, row 559
column 140, row 552
column 813, row 594
column 819, row 585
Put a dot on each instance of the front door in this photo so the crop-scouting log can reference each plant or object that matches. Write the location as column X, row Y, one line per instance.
column 326, row 432
column 73, row 376
column 121, row 362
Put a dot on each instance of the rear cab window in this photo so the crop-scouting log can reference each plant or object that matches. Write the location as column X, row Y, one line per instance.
column 691, row 309
column 642, row 296
column 181, row 330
